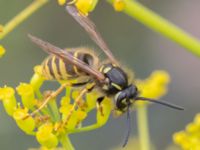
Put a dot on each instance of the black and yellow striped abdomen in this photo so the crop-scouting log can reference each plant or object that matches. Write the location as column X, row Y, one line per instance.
column 54, row 68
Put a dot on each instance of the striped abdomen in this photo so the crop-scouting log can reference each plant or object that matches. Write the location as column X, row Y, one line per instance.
column 59, row 69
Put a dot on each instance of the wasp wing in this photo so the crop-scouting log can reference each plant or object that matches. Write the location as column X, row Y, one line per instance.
column 91, row 29
column 51, row 49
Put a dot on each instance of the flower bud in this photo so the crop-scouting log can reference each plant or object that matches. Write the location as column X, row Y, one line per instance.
column 7, row 95
column 86, row 6
column 25, row 124
column 27, row 95
column 46, row 137
column 61, row 2
column 119, row 5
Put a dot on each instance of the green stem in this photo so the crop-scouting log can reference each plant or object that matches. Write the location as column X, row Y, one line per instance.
column 142, row 120
column 54, row 109
column 12, row 24
column 161, row 25
column 66, row 143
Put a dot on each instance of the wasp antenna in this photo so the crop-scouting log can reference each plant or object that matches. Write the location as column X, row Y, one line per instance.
column 127, row 135
column 160, row 102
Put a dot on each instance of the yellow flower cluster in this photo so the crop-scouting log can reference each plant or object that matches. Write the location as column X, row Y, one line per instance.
column 49, row 125
column 190, row 138
column 154, row 86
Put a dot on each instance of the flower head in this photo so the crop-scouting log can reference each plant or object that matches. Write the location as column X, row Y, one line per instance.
column 154, row 86
column 28, row 124
column 7, row 95
column 58, row 118
column 189, row 138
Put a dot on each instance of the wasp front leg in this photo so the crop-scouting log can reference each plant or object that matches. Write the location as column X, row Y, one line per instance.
column 104, row 108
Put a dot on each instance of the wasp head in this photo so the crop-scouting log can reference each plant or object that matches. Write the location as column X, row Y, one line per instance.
column 124, row 97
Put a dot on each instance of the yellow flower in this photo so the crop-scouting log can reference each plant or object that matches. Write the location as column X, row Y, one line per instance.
column 7, row 95
column 27, row 95
column 119, row 5
column 85, row 6
column 2, row 51
column 154, row 86
column 61, row 2
column 189, row 139
column 46, row 137
column 28, row 124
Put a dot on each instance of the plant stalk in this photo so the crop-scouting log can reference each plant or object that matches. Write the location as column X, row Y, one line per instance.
column 12, row 24
column 142, row 120
column 66, row 143
column 155, row 22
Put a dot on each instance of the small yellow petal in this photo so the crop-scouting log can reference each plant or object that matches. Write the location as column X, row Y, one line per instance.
column 154, row 86
column 27, row 95
column 81, row 115
column 119, row 5
column 61, row 2
column 192, row 128
column 28, row 124
column 65, row 109
column 7, row 95
column 6, row 92
column 2, row 51
column 46, row 137
column 86, row 6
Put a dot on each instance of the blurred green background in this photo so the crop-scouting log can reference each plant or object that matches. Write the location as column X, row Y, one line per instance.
column 133, row 44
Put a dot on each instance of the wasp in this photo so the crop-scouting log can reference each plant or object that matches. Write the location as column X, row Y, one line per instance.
column 109, row 77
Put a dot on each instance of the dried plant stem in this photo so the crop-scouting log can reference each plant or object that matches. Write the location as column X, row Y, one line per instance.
column 155, row 22
column 12, row 24
column 143, row 129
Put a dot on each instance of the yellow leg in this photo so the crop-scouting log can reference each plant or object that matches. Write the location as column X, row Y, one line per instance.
column 51, row 96
column 77, row 101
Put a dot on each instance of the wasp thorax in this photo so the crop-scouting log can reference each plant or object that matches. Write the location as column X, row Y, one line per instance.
column 116, row 78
